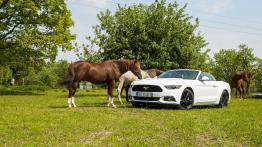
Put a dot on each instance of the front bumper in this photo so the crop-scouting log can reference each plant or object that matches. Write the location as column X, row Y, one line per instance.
column 166, row 97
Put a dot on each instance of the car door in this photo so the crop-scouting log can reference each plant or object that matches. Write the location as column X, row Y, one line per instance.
column 206, row 88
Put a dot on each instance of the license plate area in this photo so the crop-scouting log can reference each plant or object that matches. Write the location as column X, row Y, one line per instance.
column 144, row 94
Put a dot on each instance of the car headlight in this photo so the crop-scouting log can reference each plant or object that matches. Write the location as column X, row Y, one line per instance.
column 173, row 86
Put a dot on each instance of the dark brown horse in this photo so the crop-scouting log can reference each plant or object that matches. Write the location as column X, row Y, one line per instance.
column 106, row 72
column 240, row 81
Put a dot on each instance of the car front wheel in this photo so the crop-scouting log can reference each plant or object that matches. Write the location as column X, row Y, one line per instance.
column 187, row 99
column 223, row 99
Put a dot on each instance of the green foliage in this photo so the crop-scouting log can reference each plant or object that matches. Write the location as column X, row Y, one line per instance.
column 160, row 35
column 32, row 31
column 89, row 54
column 227, row 62
column 50, row 74
column 5, row 74
column 258, row 76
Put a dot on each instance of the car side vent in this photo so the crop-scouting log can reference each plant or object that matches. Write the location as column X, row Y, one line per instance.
column 147, row 88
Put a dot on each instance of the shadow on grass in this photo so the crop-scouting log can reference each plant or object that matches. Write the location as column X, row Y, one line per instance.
column 84, row 95
column 16, row 92
column 172, row 107
column 124, row 106
column 55, row 107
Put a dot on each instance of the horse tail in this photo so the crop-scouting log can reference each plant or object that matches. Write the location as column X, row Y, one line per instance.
column 70, row 77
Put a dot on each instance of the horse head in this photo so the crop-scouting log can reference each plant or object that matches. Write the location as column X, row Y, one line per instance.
column 246, row 76
column 136, row 69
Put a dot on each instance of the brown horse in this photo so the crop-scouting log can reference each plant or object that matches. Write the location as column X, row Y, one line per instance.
column 240, row 81
column 106, row 72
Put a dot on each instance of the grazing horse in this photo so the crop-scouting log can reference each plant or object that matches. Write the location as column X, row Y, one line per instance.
column 106, row 72
column 240, row 81
column 127, row 78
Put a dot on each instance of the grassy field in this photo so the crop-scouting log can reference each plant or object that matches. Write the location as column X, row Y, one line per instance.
column 43, row 119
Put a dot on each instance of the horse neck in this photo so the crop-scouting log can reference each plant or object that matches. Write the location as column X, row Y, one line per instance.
column 158, row 72
column 123, row 67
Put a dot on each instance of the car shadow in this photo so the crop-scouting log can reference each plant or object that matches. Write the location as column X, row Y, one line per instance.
column 129, row 106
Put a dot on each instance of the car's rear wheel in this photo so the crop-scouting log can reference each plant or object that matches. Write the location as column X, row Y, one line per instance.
column 223, row 99
column 187, row 99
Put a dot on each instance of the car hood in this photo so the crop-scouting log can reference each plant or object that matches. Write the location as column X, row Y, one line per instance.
column 163, row 81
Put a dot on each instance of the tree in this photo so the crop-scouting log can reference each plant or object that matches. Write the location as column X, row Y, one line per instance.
column 49, row 75
column 258, row 76
column 89, row 54
column 31, row 31
column 227, row 62
column 5, row 74
column 160, row 35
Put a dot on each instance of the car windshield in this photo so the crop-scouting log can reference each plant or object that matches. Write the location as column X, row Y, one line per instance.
column 183, row 74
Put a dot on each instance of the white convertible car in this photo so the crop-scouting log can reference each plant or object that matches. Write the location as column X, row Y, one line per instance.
column 183, row 87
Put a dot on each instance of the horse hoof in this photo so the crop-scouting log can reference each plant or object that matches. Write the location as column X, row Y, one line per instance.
column 75, row 106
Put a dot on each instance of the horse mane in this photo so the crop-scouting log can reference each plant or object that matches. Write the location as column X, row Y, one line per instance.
column 124, row 65
column 154, row 72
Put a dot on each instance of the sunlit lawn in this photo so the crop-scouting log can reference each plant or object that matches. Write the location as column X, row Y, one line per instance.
column 41, row 119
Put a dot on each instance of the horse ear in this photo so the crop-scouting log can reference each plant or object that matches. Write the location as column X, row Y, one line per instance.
column 137, row 63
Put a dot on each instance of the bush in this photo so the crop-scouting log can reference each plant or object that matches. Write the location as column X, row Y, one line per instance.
column 5, row 74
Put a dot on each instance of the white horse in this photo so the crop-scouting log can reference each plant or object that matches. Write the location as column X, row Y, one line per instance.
column 127, row 78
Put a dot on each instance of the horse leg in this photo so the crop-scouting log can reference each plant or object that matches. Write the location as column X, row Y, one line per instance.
column 69, row 101
column 120, row 89
column 110, row 93
column 75, row 85
column 244, row 92
column 236, row 92
column 241, row 92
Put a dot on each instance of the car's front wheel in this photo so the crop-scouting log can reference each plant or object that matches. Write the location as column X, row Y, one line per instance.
column 138, row 105
column 223, row 99
column 187, row 99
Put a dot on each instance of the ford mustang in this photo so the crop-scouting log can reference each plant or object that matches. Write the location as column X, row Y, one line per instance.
column 182, row 87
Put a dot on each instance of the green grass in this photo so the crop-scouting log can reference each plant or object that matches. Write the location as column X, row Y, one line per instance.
column 45, row 120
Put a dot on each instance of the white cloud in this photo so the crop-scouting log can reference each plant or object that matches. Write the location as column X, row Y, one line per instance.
column 95, row 3
column 218, row 6
column 210, row 6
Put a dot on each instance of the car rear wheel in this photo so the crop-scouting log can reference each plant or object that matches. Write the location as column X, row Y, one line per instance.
column 187, row 99
column 223, row 99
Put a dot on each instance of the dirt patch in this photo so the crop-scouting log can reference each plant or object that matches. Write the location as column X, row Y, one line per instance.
column 94, row 137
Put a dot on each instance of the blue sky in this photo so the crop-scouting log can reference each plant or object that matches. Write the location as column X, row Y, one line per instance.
column 224, row 23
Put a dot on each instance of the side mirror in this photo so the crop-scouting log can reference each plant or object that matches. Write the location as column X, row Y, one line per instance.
column 204, row 78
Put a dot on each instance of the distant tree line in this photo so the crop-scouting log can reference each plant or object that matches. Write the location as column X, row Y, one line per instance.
column 160, row 35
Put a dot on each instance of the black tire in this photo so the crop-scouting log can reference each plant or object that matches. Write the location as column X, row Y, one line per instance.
column 187, row 100
column 223, row 99
column 138, row 105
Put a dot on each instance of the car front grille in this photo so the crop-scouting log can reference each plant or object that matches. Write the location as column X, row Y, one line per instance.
column 147, row 88
column 146, row 98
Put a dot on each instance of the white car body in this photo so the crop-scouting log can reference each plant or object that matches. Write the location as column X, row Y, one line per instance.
column 205, row 92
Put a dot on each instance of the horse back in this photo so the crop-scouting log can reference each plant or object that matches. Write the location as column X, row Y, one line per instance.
column 96, row 73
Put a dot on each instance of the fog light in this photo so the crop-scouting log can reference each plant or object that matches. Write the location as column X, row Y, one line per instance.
column 169, row 98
